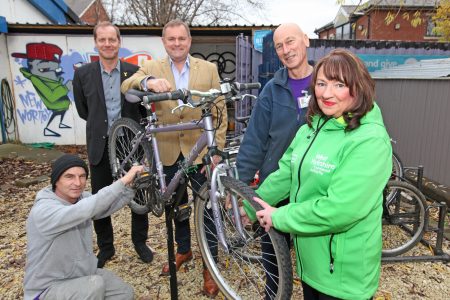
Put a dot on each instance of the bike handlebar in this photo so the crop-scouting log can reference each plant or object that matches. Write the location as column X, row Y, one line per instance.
column 174, row 95
column 247, row 86
column 228, row 89
column 136, row 96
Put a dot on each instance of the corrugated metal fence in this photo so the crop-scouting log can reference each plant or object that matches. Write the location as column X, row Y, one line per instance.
column 416, row 111
column 417, row 115
column 319, row 48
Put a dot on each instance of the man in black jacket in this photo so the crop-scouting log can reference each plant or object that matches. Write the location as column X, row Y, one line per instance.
column 99, row 101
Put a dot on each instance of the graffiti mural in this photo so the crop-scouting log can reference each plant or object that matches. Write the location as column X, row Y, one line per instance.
column 42, row 79
column 43, row 69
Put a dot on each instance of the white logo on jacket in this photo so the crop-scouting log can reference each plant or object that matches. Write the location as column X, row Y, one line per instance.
column 294, row 158
column 319, row 164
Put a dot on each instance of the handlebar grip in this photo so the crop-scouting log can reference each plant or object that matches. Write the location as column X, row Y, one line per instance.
column 247, row 86
column 175, row 95
column 136, row 96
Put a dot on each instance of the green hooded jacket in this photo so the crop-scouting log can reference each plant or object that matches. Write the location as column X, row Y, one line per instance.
column 335, row 205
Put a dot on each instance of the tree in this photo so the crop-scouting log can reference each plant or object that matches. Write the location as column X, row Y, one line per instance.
column 415, row 18
column 202, row 12
column 442, row 21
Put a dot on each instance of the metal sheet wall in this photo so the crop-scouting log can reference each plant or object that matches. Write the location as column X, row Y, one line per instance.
column 417, row 115
column 319, row 48
column 247, row 62
column 417, row 112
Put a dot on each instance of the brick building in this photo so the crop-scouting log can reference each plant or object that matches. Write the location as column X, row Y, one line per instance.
column 400, row 20
column 89, row 11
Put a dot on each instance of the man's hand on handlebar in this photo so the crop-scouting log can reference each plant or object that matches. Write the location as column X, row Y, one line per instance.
column 159, row 85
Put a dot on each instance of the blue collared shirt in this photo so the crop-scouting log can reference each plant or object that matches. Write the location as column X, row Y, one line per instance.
column 181, row 78
column 111, row 90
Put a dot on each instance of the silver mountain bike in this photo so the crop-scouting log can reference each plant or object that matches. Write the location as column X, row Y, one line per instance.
column 231, row 250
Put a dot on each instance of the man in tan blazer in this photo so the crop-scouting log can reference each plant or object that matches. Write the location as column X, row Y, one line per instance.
column 180, row 70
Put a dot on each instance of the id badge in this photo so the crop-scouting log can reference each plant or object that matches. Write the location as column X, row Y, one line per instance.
column 304, row 100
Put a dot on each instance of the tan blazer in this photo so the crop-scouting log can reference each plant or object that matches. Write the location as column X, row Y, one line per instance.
column 203, row 76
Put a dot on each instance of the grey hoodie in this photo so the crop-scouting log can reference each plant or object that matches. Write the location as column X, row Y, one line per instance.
column 59, row 235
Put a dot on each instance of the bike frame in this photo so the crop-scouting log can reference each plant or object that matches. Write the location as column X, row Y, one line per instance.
column 207, row 139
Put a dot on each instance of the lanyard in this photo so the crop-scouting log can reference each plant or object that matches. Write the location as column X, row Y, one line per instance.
column 302, row 102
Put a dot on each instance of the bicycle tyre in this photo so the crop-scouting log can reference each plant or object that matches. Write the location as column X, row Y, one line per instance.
column 240, row 273
column 403, row 218
column 397, row 167
column 120, row 143
column 397, row 174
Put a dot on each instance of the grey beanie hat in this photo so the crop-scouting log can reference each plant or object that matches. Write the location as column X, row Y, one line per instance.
column 63, row 163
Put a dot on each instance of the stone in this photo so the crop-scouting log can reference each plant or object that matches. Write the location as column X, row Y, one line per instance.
column 24, row 182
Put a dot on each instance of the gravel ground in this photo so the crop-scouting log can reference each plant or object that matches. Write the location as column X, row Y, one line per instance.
column 418, row 280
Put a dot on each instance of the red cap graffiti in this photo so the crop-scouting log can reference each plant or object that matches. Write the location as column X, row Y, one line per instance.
column 42, row 51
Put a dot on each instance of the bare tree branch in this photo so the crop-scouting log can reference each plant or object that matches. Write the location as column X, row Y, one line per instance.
column 205, row 12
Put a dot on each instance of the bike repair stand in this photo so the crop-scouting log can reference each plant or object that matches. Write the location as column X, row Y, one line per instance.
column 170, row 216
column 171, row 253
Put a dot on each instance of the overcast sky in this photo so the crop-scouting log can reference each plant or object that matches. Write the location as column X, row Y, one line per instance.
column 308, row 14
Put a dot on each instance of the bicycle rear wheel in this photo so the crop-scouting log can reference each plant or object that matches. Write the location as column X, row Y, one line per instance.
column 397, row 174
column 241, row 273
column 123, row 136
column 397, row 167
column 403, row 218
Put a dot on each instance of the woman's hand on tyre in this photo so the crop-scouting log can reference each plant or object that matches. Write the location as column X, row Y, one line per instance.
column 264, row 215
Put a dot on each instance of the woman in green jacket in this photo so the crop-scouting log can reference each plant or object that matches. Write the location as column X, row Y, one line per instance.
column 334, row 172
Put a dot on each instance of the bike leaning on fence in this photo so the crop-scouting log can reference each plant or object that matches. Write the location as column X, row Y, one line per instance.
column 404, row 213
column 237, row 268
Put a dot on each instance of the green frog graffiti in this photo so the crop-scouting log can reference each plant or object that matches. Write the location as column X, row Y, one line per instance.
column 44, row 71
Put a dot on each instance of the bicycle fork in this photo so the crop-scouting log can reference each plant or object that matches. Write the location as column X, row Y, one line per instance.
column 218, row 190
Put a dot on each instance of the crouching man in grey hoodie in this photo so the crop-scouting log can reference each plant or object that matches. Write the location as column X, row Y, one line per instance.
column 60, row 259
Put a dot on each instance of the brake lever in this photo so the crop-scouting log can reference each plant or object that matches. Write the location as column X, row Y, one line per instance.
column 182, row 106
column 249, row 95
column 240, row 97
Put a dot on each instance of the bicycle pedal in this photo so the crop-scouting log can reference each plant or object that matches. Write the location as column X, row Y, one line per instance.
column 182, row 212
column 142, row 181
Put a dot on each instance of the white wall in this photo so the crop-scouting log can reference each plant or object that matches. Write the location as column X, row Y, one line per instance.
column 21, row 11
column 5, row 73
column 31, row 113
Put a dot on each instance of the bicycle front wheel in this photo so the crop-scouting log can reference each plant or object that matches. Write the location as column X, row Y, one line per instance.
column 403, row 218
column 123, row 137
column 246, row 271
